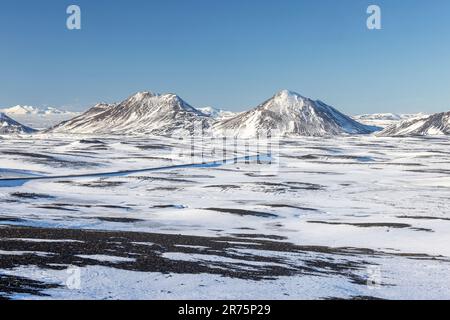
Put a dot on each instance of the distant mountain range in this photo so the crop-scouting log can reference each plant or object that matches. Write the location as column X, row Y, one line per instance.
column 218, row 114
column 30, row 110
column 385, row 120
column 39, row 118
column 10, row 126
column 286, row 113
column 435, row 124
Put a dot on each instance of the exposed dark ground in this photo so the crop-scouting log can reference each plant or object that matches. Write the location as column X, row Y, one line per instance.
column 146, row 253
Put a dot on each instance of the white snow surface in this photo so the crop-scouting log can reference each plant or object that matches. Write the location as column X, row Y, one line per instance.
column 377, row 205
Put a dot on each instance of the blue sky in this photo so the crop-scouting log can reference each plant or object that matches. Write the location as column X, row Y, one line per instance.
column 230, row 54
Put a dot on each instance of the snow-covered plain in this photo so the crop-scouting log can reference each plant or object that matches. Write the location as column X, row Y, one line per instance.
column 339, row 217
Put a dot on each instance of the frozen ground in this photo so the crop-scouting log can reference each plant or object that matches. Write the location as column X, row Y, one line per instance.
column 350, row 217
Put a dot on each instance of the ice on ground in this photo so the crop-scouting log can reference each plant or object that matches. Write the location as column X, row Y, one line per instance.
column 330, row 216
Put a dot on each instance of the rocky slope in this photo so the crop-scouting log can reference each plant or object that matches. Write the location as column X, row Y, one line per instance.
column 436, row 124
column 10, row 126
column 142, row 113
column 290, row 114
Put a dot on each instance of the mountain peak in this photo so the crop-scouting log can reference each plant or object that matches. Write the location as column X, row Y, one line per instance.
column 21, row 110
column 288, row 94
column 289, row 98
column 139, row 96
column 288, row 113
column 143, row 112
column 144, row 96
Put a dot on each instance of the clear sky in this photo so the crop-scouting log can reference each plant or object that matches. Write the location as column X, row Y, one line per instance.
column 229, row 54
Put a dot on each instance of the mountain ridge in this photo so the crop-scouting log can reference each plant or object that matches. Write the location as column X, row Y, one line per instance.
column 11, row 126
column 31, row 110
column 289, row 113
column 141, row 113
column 435, row 124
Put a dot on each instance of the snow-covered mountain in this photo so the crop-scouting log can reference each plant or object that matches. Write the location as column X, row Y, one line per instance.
column 142, row 113
column 10, row 126
column 218, row 114
column 436, row 124
column 30, row 110
column 38, row 117
column 83, row 120
column 20, row 110
column 289, row 114
column 384, row 120
column 380, row 116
